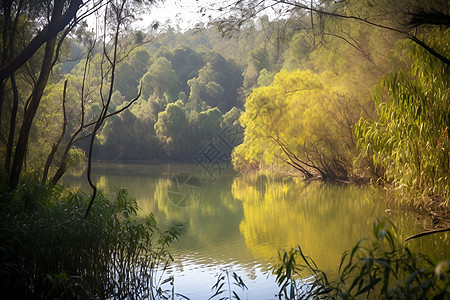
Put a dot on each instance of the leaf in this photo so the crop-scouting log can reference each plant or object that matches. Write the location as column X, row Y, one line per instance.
column 369, row 286
column 216, row 294
column 236, row 296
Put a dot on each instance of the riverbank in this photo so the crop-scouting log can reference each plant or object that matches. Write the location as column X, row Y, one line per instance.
column 434, row 210
column 236, row 223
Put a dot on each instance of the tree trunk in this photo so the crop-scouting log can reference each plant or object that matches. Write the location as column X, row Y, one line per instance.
column 12, row 126
column 58, row 22
column 30, row 112
column 58, row 142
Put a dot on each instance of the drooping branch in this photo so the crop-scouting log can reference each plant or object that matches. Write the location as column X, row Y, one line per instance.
column 294, row 160
column 359, row 19
column 358, row 48
column 443, row 20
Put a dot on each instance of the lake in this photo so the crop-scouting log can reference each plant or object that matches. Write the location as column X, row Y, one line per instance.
column 239, row 222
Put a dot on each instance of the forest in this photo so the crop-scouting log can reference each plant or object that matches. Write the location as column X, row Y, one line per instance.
column 348, row 92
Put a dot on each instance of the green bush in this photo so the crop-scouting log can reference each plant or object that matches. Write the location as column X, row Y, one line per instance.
column 410, row 138
column 47, row 249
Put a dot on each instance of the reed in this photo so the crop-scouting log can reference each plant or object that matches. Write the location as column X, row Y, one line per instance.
column 47, row 249
column 380, row 268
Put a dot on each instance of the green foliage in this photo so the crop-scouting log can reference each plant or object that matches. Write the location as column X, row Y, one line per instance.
column 410, row 138
column 124, row 130
column 231, row 119
column 131, row 71
column 50, row 251
column 75, row 157
column 199, row 82
column 207, row 124
column 381, row 268
column 293, row 121
column 299, row 50
column 171, row 129
column 204, row 90
column 162, row 80
column 265, row 77
column 186, row 63
column 223, row 279
column 228, row 77
column 172, row 121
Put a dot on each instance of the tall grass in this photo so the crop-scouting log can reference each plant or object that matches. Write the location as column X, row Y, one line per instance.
column 381, row 268
column 48, row 251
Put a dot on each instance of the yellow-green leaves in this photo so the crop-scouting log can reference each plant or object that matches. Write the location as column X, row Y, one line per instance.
column 293, row 121
column 410, row 141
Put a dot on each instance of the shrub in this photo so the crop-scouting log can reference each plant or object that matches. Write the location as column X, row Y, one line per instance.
column 49, row 251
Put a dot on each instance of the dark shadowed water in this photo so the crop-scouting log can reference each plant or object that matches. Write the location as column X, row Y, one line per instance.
column 239, row 222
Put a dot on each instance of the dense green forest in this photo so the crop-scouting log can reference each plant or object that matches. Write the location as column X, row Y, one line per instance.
column 351, row 92
column 347, row 102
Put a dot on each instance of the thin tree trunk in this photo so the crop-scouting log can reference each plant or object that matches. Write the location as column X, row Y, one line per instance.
column 106, row 103
column 12, row 126
column 30, row 112
column 9, row 35
column 5, row 51
column 58, row 142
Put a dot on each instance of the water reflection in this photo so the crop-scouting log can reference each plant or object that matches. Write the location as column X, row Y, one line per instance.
column 240, row 222
column 285, row 212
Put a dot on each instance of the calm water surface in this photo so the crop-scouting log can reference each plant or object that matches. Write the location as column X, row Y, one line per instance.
column 239, row 222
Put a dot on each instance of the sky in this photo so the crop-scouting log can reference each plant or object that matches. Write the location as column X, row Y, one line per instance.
column 183, row 13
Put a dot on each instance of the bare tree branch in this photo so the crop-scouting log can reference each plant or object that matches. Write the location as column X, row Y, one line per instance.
column 427, row 233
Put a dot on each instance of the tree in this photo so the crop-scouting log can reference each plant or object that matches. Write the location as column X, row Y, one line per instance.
column 228, row 76
column 292, row 122
column 61, row 19
column 207, row 125
column 186, row 63
column 162, row 79
column 124, row 130
column 171, row 129
column 204, row 90
column 30, row 49
column 409, row 139
column 131, row 71
column 409, row 19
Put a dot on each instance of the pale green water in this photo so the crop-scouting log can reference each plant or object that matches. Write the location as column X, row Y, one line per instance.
column 239, row 222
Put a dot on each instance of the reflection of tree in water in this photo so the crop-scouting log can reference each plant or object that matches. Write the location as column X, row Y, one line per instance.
column 212, row 222
column 184, row 189
column 285, row 212
column 324, row 219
